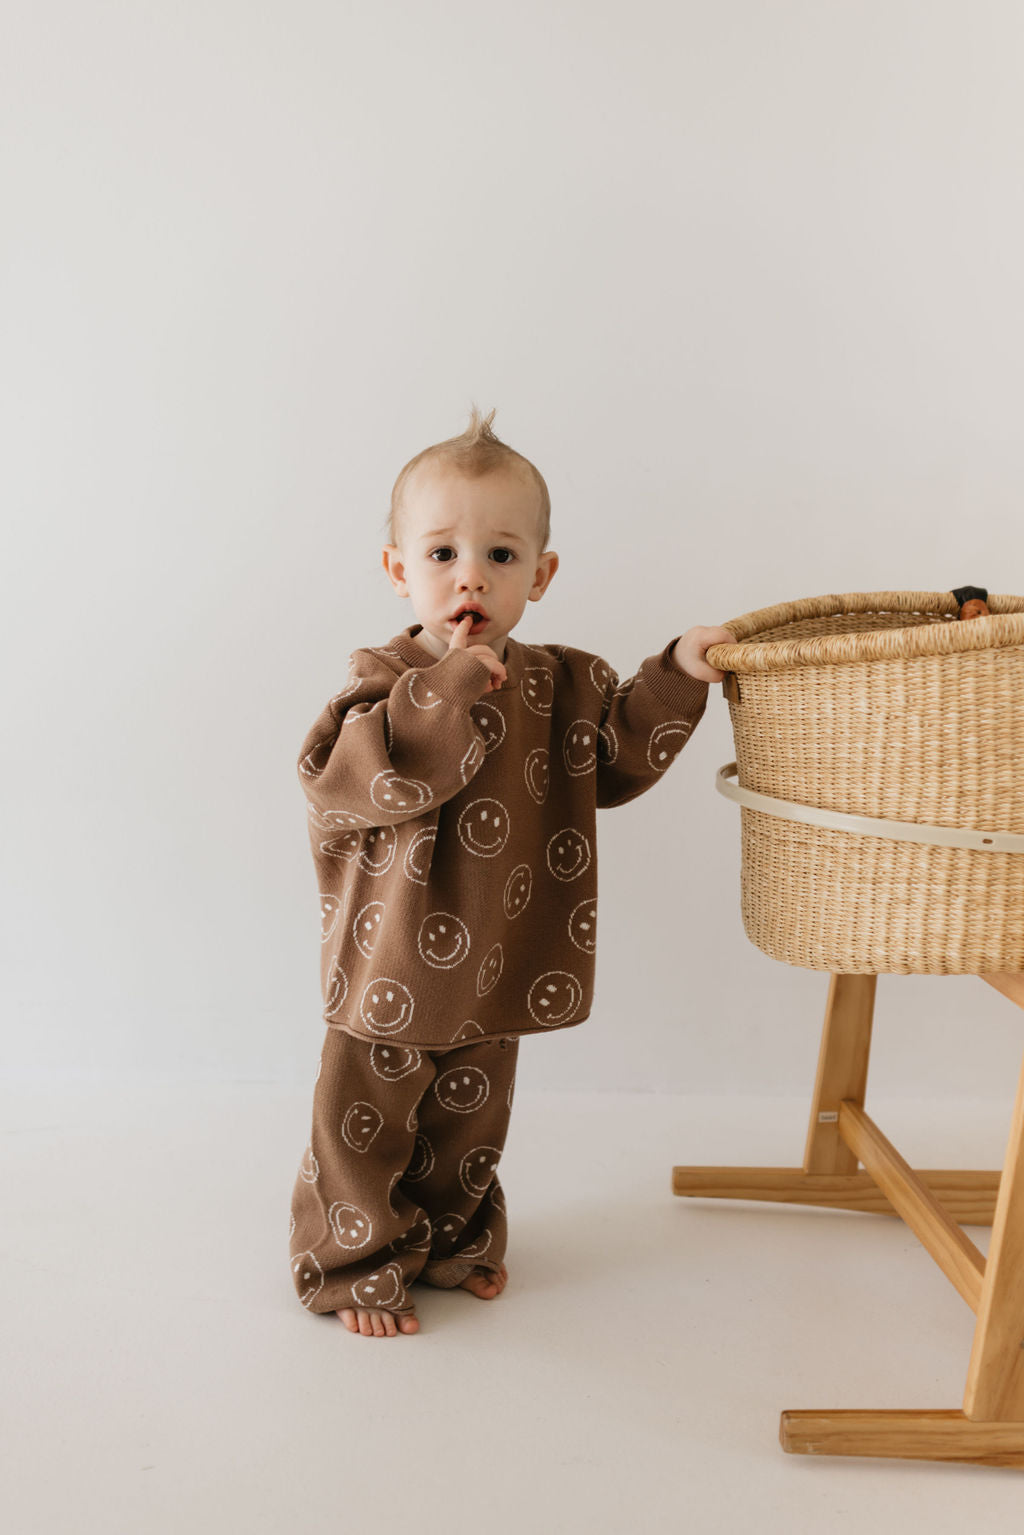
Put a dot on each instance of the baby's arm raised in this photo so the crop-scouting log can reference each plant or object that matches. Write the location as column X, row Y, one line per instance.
column 645, row 723
column 388, row 747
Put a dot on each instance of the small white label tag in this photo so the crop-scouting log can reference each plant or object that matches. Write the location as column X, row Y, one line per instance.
column 828, row 1119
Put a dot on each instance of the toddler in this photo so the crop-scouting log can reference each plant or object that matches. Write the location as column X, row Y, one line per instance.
column 452, row 787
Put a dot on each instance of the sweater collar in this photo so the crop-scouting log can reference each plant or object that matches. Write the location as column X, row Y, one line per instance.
column 417, row 655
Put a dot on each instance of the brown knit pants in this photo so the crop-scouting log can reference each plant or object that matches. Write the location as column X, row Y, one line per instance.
column 399, row 1181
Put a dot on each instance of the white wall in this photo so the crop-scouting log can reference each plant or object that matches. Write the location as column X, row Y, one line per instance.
column 742, row 278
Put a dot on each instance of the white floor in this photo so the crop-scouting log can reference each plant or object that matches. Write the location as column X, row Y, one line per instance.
column 160, row 1376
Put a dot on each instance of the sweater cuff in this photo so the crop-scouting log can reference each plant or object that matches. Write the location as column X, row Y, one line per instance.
column 674, row 687
column 458, row 678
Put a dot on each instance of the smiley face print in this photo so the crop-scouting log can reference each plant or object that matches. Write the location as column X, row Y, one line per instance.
column 347, row 846
column 309, row 1277
column 366, row 927
column 309, row 1167
column 478, row 1248
column 416, row 1240
column 386, row 1007
column 467, row 1030
column 554, row 997
column 351, row 1226
column 607, row 744
column 517, row 891
column 490, row 970
column 538, row 774
column 601, row 675
column 377, row 851
column 667, row 741
column 335, row 989
column 484, row 827
column 583, row 926
column 471, row 761
column 568, row 854
column 360, row 1125
column 422, row 1164
column 446, row 1232
column 538, row 686
column 380, row 1291
column 579, row 748
column 477, row 1168
column 420, row 694
column 462, row 1091
column 490, row 722
column 398, row 795
column 418, row 855
column 336, row 820
column 393, row 1062
column 330, row 906
column 443, row 940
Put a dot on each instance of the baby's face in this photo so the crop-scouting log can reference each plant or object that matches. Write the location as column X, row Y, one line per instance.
column 469, row 544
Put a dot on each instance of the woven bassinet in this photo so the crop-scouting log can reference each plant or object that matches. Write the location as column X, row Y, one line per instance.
column 882, row 706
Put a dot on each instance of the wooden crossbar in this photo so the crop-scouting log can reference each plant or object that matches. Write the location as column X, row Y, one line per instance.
column 931, row 1223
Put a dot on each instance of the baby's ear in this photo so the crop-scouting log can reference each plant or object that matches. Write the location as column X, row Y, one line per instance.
column 391, row 559
column 547, row 564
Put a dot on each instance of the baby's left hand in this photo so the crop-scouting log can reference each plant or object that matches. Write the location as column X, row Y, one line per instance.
column 690, row 651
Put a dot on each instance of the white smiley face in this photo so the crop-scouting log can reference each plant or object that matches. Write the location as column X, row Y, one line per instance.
column 554, row 997
column 463, row 1091
column 477, row 1248
column 330, row 906
column 314, row 762
column 471, row 761
column 467, row 1030
column 352, row 1227
column 490, row 970
column 583, row 926
column 419, row 854
column 416, row 1240
column 477, row 1168
column 360, row 1125
column 446, row 1232
column 386, row 1007
column 601, row 675
column 484, row 827
column 336, row 820
column 538, row 687
column 393, row 1062
column 309, row 1167
column 568, row 854
column 346, row 846
column 335, row 989
column 517, row 890
column 580, row 748
column 607, row 744
column 366, row 927
column 497, row 1198
column 443, row 940
column 309, row 1277
column 377, row 852
column 420, row 694
column 381, row 1290
column 666, row 742
column 538, row 774
column 399, row 795
column 491, row 724
column 422, row 1164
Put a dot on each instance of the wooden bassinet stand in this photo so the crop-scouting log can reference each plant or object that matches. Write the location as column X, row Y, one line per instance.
column 859, row 722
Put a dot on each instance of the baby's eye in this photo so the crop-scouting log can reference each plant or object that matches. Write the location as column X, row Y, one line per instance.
column 502, row 556
column 442, row 555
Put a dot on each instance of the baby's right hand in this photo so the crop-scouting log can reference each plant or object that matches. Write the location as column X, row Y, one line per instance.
column 485, row 653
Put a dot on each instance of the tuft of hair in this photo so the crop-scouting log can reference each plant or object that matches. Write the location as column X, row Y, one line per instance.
column 475, row 452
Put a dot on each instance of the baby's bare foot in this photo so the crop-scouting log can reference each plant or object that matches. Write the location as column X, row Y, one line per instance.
column 378, row 1324
column 485, row 1283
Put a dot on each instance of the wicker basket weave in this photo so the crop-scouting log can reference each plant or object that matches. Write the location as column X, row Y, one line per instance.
column 882, row 705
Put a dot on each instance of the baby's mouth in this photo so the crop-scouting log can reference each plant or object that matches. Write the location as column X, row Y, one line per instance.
column 479, row 619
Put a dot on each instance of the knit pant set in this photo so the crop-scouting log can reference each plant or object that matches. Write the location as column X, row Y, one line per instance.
column 399, row 1182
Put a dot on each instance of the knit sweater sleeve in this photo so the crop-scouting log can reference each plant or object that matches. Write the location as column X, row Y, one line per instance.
column 645, row 723
column 388, row 747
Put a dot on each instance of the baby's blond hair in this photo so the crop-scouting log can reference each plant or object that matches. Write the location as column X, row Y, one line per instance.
column 475, row 452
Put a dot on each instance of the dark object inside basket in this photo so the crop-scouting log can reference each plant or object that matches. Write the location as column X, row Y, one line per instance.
column 972, row 600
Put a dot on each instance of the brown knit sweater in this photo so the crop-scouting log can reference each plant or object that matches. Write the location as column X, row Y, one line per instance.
column 454, row 832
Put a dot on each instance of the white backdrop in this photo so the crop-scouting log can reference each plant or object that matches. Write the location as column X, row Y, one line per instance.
column 743, row 279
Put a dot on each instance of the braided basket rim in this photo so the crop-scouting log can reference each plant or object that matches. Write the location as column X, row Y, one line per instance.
column 1004, row 628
